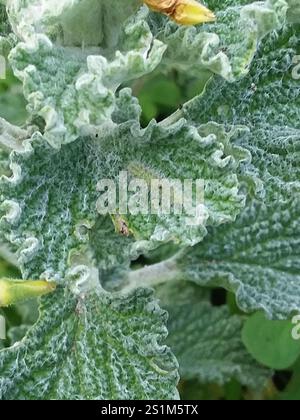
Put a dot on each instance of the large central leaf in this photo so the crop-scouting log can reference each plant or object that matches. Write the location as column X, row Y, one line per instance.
column 50, row 200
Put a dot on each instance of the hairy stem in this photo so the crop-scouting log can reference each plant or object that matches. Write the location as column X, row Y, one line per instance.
column 153, row 275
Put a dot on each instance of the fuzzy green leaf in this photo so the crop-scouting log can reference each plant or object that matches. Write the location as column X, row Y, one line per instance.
column 96, row 346
column 70, row 76
column 292, row 392
column 226, row 47
column 257, row 257
column 72, row 60
column 294, row 11
column 4, row 24
column 207, row 340
column 50, row 210
column 7, row 38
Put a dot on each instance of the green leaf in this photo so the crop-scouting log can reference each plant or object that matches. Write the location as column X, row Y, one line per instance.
column 71, row 65
column 241, row 138
column 28, row 311
column 4, row 24
column 158, row 95
column 7, row 38
column 94, row 346
column 207, row 339
column 12, row 106
column 257, row 257
column 71, row 71
column 49, row 207
column 18, row 318
column 71, row 22
column 294, row 11
column 16, row 334
column 271, row 342
column 226, row 47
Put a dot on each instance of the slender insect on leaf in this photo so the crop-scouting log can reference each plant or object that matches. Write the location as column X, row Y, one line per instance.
column 184, row 12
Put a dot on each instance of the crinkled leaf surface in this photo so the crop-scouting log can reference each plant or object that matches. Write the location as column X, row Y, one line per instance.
column 71, row 75
column 92, row 347
column 7, row 39
column 73, row 57
column 207, row 339
column 294, row 11
column 89, row 344
column 257, row 257
column 226, row 47
column 12, row 104
column 50, row 207
column 4, row 24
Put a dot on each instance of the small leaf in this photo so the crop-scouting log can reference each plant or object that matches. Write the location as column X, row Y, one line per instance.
column 271, row 342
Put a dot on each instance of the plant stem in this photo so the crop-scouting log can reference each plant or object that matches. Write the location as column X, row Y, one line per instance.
column 153, row 275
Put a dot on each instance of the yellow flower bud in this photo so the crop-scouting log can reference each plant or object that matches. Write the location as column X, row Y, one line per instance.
column 13, row 291
column 184, row 12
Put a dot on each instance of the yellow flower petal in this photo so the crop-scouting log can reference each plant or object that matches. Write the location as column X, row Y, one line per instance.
column 184, row 12
column 190, row 12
